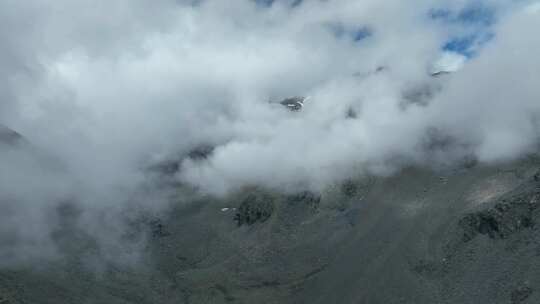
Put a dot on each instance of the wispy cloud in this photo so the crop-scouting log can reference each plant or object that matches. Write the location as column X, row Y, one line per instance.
column 103, row 90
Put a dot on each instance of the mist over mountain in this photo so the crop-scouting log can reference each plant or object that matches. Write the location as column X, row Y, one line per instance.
column 112, row 114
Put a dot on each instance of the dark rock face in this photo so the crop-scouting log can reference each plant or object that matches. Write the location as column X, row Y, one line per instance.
column 254, row 208
column 537, row 177
column 201, row 152
column 520, row 294
column 499, row 222
column 4, row 300
column 427, row 268
column 8, row 136
column 308, row 198
column 294, row 103
column 158, row 229
column 351, row 113
column 469, row 161
column 349, row 188
column 440, row 73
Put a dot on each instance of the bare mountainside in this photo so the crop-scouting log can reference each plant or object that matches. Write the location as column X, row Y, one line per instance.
column 466, row 235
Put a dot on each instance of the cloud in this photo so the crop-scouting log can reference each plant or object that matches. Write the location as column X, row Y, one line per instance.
column 104, row 90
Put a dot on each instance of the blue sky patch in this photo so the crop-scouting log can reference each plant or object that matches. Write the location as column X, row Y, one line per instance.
column 474, row 15
column 460, row 45
column 361, row 34
column 467, row 45
column 356, row 34
column 476, row 18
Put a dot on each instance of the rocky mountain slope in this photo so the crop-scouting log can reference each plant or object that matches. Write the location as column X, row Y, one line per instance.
column 461, row 235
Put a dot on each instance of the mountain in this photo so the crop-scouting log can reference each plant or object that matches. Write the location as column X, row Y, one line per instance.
column 460, row 235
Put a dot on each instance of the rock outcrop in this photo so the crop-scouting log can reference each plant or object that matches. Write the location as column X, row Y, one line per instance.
column 255, row 208
column 295, row 103
column 8, row 136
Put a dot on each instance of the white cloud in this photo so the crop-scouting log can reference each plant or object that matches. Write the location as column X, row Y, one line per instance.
column 103, row 87
column 533, row 8
column 449, row 62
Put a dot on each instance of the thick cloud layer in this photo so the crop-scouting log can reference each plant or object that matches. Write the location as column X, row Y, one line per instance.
column 101, row 90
